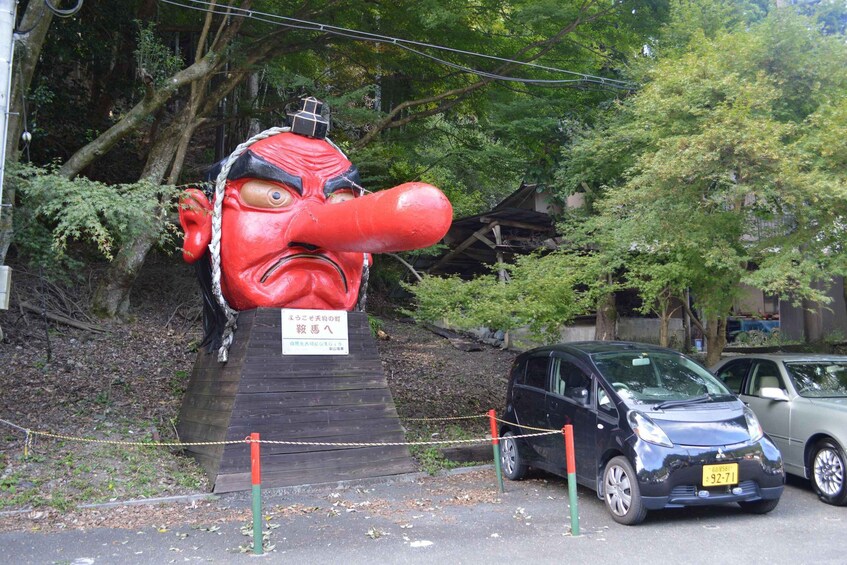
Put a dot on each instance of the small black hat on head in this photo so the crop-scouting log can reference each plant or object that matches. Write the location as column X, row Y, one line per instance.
column 308, row 120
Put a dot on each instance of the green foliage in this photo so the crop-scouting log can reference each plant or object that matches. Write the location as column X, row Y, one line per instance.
column 544, row 293
column 695, row 21
column 84, row 211
column 430, row 457
column 178, row 383
column 154, row 58
column 475, row 170
column 831, row 15
column 756, row 338
column 716, row 166
column 375, row 324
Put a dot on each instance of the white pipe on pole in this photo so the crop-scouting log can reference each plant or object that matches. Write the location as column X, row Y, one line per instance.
column 7, row 55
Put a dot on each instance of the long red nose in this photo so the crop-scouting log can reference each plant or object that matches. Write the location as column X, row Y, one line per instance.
column 410, row 216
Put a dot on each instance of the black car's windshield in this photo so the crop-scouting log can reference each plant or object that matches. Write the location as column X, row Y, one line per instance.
column 819, row 379
column 659, row 378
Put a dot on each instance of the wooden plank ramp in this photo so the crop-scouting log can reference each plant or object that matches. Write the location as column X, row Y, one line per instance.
column 311, row 398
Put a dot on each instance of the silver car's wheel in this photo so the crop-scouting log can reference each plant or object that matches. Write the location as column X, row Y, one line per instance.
column 510, row 458
column 828, row 466
column 621, row 492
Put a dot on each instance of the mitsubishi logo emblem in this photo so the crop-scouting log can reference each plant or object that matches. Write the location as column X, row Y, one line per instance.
column 720, row 454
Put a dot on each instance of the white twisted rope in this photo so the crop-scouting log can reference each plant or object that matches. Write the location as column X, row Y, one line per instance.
column 215, row 244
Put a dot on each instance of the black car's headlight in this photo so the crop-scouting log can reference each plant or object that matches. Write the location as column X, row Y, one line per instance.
column 647, row 430
column 753, row 425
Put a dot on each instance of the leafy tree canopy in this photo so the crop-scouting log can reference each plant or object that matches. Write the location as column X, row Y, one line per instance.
column 726, row 167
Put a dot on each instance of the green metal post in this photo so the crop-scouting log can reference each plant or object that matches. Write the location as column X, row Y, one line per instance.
column 571, row 462
column 256, row 475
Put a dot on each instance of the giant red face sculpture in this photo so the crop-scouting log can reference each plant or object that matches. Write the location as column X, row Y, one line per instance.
column 295, row 231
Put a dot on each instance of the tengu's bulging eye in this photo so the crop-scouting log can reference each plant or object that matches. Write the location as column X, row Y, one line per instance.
column 340, row 196
column 263, row 194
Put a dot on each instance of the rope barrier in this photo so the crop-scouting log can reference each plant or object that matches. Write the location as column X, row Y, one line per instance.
column 446, row 418
column 141, row 443
column 387, row 444
column 11, row 425
column 29, row 433
column 524, row 427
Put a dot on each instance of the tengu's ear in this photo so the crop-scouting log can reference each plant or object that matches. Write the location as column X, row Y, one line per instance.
column 195, row 217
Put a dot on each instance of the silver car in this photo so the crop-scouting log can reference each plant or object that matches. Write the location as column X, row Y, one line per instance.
column 801, row 402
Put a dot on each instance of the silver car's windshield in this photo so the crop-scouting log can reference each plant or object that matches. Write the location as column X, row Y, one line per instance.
column 655, row 378
column 819, row 379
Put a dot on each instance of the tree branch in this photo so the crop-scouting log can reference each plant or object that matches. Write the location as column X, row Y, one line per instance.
column 694, row 318
column 542, row 46
column 151, row 102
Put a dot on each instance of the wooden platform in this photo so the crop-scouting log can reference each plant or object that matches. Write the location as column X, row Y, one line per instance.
column 331, row 398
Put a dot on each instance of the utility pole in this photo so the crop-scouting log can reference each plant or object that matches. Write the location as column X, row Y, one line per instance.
column 7, row 51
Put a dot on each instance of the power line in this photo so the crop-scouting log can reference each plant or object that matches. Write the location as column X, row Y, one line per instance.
column 409, row 45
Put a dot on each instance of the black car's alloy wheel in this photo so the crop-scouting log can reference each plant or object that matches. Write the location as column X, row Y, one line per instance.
column 828, row 466
column 621, row 492
column 510, row 458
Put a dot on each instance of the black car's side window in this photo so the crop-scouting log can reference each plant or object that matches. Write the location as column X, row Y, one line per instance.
column 604, row 401
column 536, row 372
column 732, row 374
column 518, row 375
column 571, row 382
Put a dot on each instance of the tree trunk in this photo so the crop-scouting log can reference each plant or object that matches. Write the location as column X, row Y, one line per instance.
column 665, row 313
column 111, row 297
column 715, row 339
column 664, row 325
column 607, row 318
column 37, row 20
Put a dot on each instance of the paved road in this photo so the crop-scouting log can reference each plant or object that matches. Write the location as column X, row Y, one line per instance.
column 461, row 518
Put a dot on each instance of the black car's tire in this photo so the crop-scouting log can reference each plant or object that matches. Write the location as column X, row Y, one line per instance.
column 622, row 493
column 511, row 461
column 827, row 468
column 759, row 506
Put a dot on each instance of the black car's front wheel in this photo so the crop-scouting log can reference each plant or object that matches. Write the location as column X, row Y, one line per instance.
column 828, row 466
column 510, row 458
column 621, row 492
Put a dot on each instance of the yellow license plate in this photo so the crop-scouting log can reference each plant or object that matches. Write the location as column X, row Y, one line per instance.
column 717, row 475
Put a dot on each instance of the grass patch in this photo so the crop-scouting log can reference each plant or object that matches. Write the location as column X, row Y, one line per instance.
column 64, row 474
column 430, row 458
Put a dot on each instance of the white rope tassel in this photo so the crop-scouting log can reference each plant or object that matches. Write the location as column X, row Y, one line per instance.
column 215, row 244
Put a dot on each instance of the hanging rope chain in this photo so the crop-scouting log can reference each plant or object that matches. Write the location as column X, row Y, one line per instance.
column 215, row 244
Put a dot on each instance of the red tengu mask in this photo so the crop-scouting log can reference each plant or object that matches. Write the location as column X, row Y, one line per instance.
column 295, row 230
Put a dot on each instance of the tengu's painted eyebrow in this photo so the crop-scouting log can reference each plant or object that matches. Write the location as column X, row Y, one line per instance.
column 347, row 179
column 252, row 166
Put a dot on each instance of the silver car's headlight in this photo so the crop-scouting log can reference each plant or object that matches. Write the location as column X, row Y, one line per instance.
column 753, row 425
column 647, row 430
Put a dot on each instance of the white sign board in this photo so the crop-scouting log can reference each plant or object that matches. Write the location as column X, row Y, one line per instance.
column 314, row 332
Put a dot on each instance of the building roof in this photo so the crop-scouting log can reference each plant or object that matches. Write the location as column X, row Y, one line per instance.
column 512, row 227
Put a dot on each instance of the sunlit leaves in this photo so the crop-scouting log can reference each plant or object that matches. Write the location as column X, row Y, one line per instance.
column 727, row 167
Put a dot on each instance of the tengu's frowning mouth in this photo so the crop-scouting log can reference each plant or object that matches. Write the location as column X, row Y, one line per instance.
column 306, row 256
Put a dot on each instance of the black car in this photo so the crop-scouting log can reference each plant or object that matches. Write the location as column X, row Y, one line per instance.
column 652, row 429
